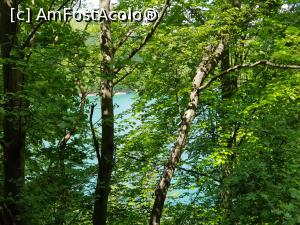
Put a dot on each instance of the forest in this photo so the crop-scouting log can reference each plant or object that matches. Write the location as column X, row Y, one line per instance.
column 191, row 118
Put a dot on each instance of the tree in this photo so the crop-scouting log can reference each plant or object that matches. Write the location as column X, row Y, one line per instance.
column 234, row 131
column 208, row 62
column 106, row 152
column 13, row 122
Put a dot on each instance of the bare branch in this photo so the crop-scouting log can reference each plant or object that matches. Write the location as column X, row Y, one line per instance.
column 149, row 34
column 83, row 96
column 249, row 65
column 124, row 76
column 96, row 143
column 197, row 173
column 262, row 62
column 190, row 171
column 122, row 41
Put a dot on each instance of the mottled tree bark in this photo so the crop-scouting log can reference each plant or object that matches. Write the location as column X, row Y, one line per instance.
column 211, row 58
column 13, row 122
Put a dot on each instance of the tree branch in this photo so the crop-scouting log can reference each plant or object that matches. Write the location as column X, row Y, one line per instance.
column 35, row 29
column 122, row 41
column 197, row 173
column 210, row 59
column 249, row 65
column 261, row 62
column 96, row 143
column 148, row 36
column 124, row 76
column 193, row 172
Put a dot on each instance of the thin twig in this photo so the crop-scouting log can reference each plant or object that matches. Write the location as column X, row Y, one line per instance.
column 96, row 143
column 122, row 41
column 197, row 173
column 124, row 76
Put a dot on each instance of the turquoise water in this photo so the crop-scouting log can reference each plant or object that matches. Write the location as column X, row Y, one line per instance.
column 121, row 104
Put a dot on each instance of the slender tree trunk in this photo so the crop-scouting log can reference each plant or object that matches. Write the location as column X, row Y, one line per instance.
column 13, row 123
column 209, row 61
column 105, row 161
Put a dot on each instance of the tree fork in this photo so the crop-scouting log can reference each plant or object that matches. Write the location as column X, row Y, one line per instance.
column 105, row 163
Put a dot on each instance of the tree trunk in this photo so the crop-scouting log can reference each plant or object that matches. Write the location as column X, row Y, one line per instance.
column 105, row 161
column 209, row 61
column 13, row 122
column 107, row 153
column 228, row 89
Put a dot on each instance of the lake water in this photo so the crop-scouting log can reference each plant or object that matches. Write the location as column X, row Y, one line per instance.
column 121, row 104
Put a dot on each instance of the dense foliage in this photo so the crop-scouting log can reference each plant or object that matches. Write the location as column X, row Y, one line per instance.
column 241, row 161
